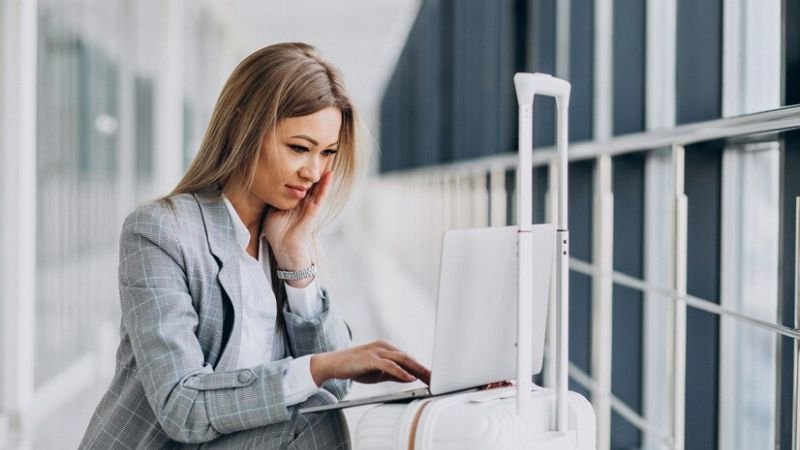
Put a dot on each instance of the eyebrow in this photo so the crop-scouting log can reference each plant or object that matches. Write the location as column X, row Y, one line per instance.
column 312, row 141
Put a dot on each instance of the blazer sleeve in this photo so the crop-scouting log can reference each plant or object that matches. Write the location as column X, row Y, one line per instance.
column 323, row 333
column 192, row 403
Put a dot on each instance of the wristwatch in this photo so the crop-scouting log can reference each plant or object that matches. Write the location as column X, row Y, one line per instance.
column 292, row 275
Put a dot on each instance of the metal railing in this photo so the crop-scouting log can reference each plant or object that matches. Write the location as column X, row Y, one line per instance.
column 473, row 193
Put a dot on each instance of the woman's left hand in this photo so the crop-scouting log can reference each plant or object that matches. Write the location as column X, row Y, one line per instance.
column 289, row 231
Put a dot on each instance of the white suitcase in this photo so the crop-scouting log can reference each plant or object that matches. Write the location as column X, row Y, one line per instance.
column 478, row 420
column 523, row 416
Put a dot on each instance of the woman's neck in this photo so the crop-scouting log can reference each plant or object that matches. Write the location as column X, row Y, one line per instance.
column 251, row 211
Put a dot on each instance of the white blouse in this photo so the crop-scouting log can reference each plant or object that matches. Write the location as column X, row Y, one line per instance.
column 261, row 342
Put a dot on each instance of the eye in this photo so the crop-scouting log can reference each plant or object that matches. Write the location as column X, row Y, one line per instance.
column 329, row 152
column 298, row 148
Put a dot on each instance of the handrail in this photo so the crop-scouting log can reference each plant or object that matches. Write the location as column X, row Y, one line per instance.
column 776, row 120
column 696, row 302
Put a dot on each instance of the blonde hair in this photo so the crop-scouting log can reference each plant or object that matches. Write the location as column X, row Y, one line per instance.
column 274, row 83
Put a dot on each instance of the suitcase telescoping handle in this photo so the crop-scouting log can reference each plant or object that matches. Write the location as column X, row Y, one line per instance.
column 528, row 85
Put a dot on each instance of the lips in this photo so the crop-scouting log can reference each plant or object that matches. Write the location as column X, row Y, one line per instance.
column 297, row 191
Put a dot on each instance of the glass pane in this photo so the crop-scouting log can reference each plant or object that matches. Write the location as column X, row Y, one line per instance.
column 749, row 284
column 747, row 386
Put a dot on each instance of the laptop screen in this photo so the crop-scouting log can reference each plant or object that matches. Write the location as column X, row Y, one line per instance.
column 476, row 327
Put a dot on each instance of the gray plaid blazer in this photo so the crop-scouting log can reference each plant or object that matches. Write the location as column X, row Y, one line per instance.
column 176, row 376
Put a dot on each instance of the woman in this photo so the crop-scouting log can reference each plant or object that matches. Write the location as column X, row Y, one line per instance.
column 225, row 331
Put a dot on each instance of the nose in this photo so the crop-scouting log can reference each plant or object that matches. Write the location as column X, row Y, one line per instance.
column 311, row 169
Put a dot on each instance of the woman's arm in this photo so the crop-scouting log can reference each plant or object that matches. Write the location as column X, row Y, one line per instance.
column 191, row 402
column 326, row 332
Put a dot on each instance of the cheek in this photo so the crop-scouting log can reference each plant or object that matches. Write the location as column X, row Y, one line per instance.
column 282, row 169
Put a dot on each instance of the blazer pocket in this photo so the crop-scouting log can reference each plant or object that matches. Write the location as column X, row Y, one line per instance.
column 222, row 380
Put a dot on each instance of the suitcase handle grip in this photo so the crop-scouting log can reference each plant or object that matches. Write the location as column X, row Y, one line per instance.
column 528, row 85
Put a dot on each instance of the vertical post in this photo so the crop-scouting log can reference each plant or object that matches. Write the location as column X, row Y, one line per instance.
column 497, row 197
column 603, row 227
column 18, row 213
column 602, row 308
column 603, row 67
column 563, row 28
column 562, row 236
column 479, row 200
column 678, row 385
column 524, row 253
column 550, row 216
column 168, row 163
column 660, row 68
column 751, row 56
column 662, row 19
column 796, row 346
column 446, row 195
column 657, row 307
column 457, row 201
column 431, row 223
column 126, row 164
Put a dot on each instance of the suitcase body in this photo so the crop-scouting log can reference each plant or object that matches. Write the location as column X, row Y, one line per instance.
column 476, row 420
column 523, row 416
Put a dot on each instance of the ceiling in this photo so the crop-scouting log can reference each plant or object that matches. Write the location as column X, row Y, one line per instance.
column 361, row 37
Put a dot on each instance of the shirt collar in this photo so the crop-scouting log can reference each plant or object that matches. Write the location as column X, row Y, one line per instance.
column 241, row 232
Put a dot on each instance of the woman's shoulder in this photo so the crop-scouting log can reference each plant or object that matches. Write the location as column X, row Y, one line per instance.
column 171, row 211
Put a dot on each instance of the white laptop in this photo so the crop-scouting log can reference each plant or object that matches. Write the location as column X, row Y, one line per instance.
column 476, row 327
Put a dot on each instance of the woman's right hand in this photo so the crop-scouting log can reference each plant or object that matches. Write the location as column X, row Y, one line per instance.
column 370, row 363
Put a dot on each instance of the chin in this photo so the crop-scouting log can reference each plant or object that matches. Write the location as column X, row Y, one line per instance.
column 285, row 205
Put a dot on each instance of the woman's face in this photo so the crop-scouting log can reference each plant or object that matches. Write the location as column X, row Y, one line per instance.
column 304, row 149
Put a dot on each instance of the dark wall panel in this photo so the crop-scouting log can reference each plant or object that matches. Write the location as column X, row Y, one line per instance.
column 580, row 321
column 392, row 136
column 581, row 192
column 424, row 59
column 482, row 72
column 581, row 70
column 703, row 178
column 626, row 377
column 580, row 295
column 540, row 182
column 511, row 192
column 452, row 95
column 543, row 59
column 699, row 61
column 627, row 363
column 628, row 188
column 413, row 131
column 629, row 66
column 791, row 17
column 445, row 81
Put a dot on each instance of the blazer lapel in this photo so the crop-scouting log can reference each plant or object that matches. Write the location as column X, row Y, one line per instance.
column 222, row 242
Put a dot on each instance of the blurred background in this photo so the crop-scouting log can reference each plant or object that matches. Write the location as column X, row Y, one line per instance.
column 684, row 179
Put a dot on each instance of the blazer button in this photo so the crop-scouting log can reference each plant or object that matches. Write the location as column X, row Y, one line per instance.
column 245, row 376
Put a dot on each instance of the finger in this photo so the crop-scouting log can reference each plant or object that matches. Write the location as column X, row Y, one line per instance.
column 310, row 205
column 393, row 370
column 409, row 364
column 318, row 191
column 322, row 188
